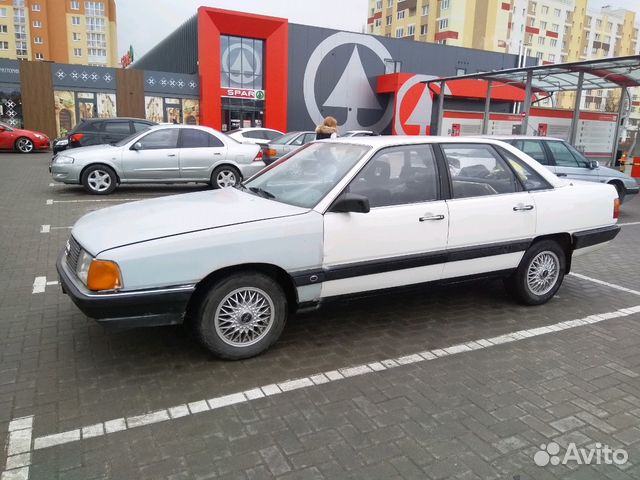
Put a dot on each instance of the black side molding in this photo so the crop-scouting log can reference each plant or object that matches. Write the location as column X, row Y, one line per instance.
column 588, row 238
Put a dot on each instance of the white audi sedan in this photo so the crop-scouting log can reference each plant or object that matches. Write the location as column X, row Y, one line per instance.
column 161, row 154
column 332, row 219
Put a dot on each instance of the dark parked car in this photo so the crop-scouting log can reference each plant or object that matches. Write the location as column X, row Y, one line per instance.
column 99, row 131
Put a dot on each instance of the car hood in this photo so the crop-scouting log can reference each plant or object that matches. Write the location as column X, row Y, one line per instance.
column 90, row 150
column 612, row 172
column 173, row 215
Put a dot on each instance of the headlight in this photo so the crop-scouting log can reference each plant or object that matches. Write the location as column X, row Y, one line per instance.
column 84, row 262
column 62, row 143
column 62, row 160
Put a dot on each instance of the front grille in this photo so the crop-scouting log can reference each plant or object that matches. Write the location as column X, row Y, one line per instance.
column 73, row 253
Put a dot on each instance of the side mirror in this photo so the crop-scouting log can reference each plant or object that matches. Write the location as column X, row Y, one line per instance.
column 136, row 146
column 351, row 202
column 592, row 164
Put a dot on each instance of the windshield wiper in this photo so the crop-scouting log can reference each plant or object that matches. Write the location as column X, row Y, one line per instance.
column 261, row 192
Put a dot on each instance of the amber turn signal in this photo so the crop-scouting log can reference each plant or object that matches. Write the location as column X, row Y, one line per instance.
column 104, row 275
column 270, row 152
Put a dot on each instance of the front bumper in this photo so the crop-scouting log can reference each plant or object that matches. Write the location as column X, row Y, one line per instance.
column 65, row 173
column 249, row 170
column 140, row 308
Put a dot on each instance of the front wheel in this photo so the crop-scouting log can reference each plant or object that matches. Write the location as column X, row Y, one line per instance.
column 99, row 180
column 24, row 145
column 539, row 274
column 242, row 316
column 225, row 176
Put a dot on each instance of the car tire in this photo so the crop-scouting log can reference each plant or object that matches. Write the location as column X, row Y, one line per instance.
column 24, row 145
column 241, row 315
column 621, row 191
column 99, row 180
column 225, row 176
column 539, row 275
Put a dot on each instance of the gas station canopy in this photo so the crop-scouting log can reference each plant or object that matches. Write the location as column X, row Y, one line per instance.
column 619, row 72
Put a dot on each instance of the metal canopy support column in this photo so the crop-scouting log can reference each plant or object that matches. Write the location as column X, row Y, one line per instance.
column 487, row 105
column 576, row 110
column 527, row 102
column 440, row 107
column 616, row 140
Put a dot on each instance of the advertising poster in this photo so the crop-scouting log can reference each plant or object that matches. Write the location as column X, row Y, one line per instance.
column 153, row 109
column 173, row 109
column 65, row 108
column 86, row 105
column 191, row 111
column 107, row 105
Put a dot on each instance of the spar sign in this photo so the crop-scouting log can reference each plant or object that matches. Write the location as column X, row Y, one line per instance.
column 247, row 93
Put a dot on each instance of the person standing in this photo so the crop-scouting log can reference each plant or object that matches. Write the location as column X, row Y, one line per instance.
column 328, row 129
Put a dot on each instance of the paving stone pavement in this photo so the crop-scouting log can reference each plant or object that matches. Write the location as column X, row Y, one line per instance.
column 474, row 415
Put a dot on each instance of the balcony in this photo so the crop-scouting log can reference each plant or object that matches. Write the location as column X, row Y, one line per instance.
column 408, row 4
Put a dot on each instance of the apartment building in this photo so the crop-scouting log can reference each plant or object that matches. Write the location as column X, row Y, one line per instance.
column 63, row 31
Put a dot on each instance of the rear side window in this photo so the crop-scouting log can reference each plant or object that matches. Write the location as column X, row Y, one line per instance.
column 299, row 140
column 253, row 134
column 533, row 148
column 140, row 126
column 90, row 127
column 117, row 127
column 530, row 179
column 309, row 137
column 271, row 135
column 192, row 138
column 478, row 170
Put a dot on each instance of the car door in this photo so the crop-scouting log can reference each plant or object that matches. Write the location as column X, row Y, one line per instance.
column 491, row 218
column 154, row 156
column 566, row 164
column 402, row 239
column 115, row 130
column 199, row 152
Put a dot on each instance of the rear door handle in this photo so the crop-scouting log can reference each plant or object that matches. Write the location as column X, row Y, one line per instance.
column 561, row 174
column 171, row 155
column 521, row 208
column 431, row 217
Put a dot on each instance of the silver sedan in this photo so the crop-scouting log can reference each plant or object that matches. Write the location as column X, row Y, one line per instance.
column 162, row 154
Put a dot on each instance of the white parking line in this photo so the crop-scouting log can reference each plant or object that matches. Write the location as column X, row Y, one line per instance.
column 48, row 228
column 628, row 224
column 183, row 410
column 606, row 284
column 18, row 449
column 40, row 284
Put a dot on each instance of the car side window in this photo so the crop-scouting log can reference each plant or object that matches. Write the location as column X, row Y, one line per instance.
column 309, row 137
column 140, row 126
column 531, row 179
column 534, row 149
column 117, row 127
column 477, row 170
column 298, row 140
column 398, row 176
column 193, row 138
column 562, row 155
column 160, row 139
column 580, row 158
column 90, row 127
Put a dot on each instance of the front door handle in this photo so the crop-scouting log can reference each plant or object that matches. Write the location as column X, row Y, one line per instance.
column 561, row 174
column 431, row 217
column 171, row 155
column 522, row 208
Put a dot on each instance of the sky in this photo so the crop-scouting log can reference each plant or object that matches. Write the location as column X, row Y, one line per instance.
column 143, row 23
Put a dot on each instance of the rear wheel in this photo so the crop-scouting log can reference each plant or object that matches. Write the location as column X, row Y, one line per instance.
column 242, row 315
column 539, row 274
column 225, row 176
column 99, row 180
column 24, row 145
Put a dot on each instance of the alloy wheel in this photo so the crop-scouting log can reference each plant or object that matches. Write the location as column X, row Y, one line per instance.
column 226, row 178
column 244, row 316
column 25, row 145
column 99, row 180
column 543, row 272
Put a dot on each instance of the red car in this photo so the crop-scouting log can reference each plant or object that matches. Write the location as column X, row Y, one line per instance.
column 23, row 141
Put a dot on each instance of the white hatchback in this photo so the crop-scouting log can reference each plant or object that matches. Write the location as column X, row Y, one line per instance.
column 335, row 218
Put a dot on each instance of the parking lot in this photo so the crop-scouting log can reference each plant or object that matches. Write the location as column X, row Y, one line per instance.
column 448, row 382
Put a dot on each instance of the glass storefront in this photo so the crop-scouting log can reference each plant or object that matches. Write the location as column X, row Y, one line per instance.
column 242, row 74
column 11, row 106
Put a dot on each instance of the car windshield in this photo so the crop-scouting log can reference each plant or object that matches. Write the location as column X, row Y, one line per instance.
column 127, row 139
column 285, row 138
column 306, row 176
column 579, row 156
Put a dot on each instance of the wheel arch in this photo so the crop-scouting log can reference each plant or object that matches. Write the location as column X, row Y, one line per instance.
column 565, row 241
column 15, row 143
column 276, row 273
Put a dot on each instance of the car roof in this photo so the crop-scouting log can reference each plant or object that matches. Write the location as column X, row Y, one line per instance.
column 519, row 137
column 90, row 120
column 391, row 140
column 249, row 129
